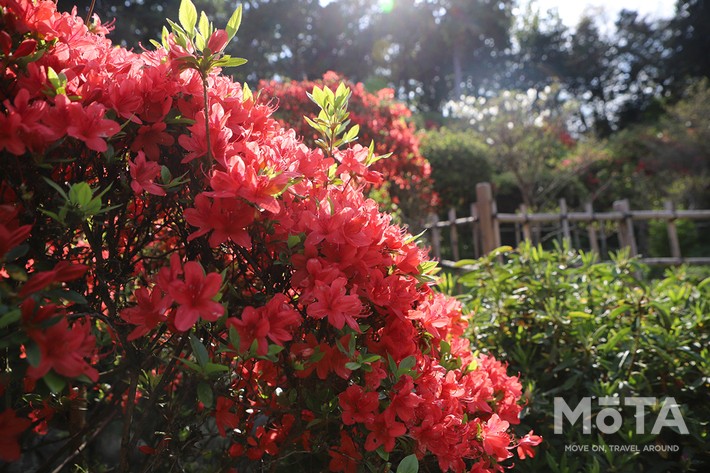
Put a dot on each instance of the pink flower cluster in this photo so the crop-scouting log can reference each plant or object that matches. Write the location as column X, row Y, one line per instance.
column 220, row 225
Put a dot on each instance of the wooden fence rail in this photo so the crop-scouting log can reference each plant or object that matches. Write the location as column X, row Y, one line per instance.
column 484, row 224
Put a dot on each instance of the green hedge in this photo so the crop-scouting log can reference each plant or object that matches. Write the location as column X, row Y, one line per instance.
column 575, row 328
column 459, row 160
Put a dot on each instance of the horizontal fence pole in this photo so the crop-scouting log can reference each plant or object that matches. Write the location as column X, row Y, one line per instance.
column 676, row 261
column 604, row 216
column 485, row 224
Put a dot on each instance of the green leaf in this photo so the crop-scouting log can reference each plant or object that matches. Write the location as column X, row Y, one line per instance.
column 314, row 422
column 234, row 22
column 80, row 194
column 205, row 395
column 193, row 366
column 54, row 382
column 371, row 358
column 214, row 368
column 229, row 61
column 246, row 93
column 16, row 252
column 199, row 350
column 313, row 124
column 275, row 350
column 234, row 337
column 409, row 464
column 407, row 363
column 381, row 452
column 199, row 44
column 75, row 297
column 56, row 187
column 351, row 365
column 204, row 26
column 93, row 207
column 580, row 315
column 317, row 96
column 187, row 14
column 10, row 318
column 293, row 240
column 351, row 135
column 34, row 355
column 165, row 174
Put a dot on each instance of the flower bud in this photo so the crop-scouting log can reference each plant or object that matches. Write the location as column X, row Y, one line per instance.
column 218, row 41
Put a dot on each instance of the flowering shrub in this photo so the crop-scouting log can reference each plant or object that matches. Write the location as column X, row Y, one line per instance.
column 180, row 268
column 577, row 328
column 406, row 183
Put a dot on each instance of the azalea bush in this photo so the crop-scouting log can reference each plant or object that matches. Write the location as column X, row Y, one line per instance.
column 405, row 187
column 581, row 328
column 186, row 282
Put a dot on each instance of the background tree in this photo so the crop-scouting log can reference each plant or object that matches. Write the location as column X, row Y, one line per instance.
column 688, row 44
column 527, row 138
column 459, row 160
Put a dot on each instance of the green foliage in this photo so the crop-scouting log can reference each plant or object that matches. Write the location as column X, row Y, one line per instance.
column 689, row 239
column 527, row 137
column 580, row 328
column 663, row 159
column 459, row 161
column 201, row 36
column 332, row 120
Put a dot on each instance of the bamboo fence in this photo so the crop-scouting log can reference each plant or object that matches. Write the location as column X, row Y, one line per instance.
column 484, row 223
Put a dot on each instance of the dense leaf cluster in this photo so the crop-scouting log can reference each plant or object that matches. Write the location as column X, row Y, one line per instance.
column 580, row 328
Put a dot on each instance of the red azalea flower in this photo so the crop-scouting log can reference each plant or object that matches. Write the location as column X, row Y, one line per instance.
column 10, row 138
column 526, row 444
column 42, row 415
column 227, row 219
column 64, row 349
column 63, row 271
column 10, row 238
column 384, row 430
column 406, row 400
column 224, row 417
column 148, row 313
column 283, row 319
column 253, row 325
column 358, row 405
column 346, row 457
column 149, row 137
column 194, row 296
column 333, row 302
column 495, row 438
column 143, row 174
column 11, row 427
column 89, row 125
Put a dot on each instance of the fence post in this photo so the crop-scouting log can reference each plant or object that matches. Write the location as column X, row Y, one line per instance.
column 484, row 203
column 672, row 231
column 474, row 231
column 454, row 234
column 496, row 224
column 591, row 229
column 566, row 237
column 435, row 236
column 626, row 226
column 527, row 236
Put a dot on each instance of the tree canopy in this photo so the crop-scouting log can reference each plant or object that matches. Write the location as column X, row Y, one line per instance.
column 436, row 50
